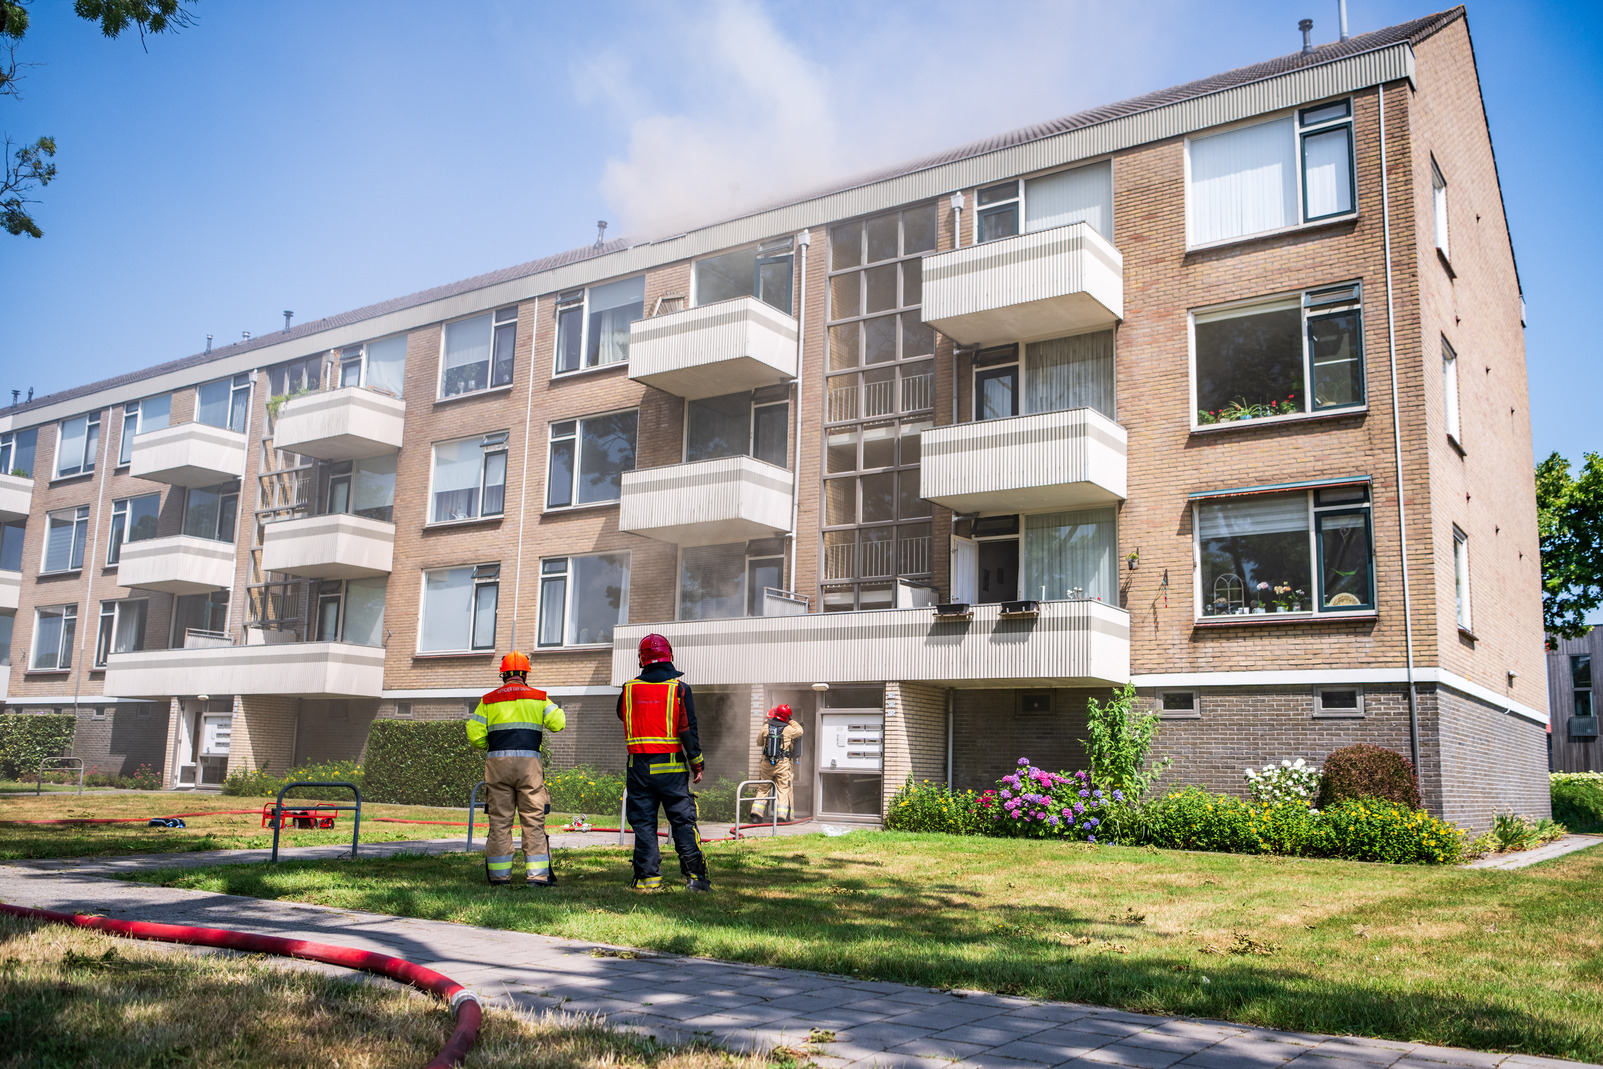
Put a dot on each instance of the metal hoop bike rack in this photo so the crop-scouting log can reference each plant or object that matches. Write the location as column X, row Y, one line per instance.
column 771, row 795
column 278, row 810
column 39, row 781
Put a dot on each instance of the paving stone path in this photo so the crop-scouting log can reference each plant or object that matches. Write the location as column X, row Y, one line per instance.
column 750, row 1006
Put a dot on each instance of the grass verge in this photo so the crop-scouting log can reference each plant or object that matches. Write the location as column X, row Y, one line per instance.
column 1483, row 959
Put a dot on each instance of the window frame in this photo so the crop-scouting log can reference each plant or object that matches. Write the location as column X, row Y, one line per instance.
column 752, row 407
column 9, row 450
column 772, row 251
column 1576, row 690
column 225, row 493
column 111, row 612
column 491, row 443
column 66, row 639
column 560, row 569
column 79, row 545
column 1441, row 220
column 495, row 316
column 343, row 358
column 1461, row 588
column 579, row 299
column 482, row 575
column 577, row 438
column 133, row 425
column 118, row 536
column 1450, row 399
column 996, row 362
column 86, row 459
column 1165, row 713
column 240, row 383
column 1021, row 201
column 1338, row 713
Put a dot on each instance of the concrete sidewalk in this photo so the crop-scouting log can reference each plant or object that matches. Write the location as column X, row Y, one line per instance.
column 750, row 1006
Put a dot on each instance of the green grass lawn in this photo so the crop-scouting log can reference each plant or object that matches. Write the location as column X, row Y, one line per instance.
column 1483, row 959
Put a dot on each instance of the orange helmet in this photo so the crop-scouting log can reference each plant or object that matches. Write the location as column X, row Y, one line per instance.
column 654, row 648
column 514, row 662
column 780, row 713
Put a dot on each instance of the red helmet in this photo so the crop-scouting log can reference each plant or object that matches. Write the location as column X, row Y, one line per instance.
column 780, row 713
column 654, row 648
column 514, row 662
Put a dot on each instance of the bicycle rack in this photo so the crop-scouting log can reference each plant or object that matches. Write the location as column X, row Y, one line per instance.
column 278, row 811
column 473, row 809
column 770, row 795
column 39, row 783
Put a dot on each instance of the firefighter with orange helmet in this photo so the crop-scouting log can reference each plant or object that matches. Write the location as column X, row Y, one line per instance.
column 659, row 721
column 781, row 747
column 509, row 724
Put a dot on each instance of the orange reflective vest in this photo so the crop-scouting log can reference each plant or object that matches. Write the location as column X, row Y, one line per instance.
column 653, row 716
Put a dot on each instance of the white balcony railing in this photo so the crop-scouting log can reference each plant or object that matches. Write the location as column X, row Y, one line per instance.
column 1069, row 643
column 302, row 669
column 16, row 498
column 188, row 454
column 708, row 502
column 1045, row 284
column 177, row 564
column 1072, row 459
column 347, row 424
column 335, row 546
column 714, row 349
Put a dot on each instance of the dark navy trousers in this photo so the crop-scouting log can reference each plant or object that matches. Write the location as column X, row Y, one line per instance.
column 652, row 784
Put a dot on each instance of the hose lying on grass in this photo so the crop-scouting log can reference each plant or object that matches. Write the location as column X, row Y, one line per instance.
column 463, row 1002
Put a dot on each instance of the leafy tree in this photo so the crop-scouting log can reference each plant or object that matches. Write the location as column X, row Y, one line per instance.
column 28, row 167
column 1569, row 520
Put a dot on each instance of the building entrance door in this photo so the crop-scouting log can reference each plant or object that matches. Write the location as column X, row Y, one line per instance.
column 850, row 762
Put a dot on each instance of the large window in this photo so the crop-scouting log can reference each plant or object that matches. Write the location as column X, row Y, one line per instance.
column 348, row 611
column 459, row 606
column 16, row 452
column 721, row 582
column 211, row 513
column 11, row 536
column 583, row 598
column 1286, row 357
column 77, row 444
column 377, row 365
column 199, row 620
column 593, row 324
column 1461, row 577
column 122, row 628
column 1064, row 373
column 1271, row 175
column 1049, row 557
column 1450, row 391
column 470, row 478
column 762, row 271
column 1300, row 552
column 363, row 487
column 133, row 519
column 54, row 629
column 1581, row 681
column 224, row 403
column 478, row 353
column 150, row 414
column 1081, row 194
column 66, row 533
column 740, row 424
column 588, row 458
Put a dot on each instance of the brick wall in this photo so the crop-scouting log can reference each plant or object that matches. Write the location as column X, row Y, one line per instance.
column 121, row 737
column 331, row 730
column 1490, row 762
column 915, row 735
column 990, row 734
column 263, row 735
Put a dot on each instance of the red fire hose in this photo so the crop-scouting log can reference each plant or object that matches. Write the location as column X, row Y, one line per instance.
column 464, row 1003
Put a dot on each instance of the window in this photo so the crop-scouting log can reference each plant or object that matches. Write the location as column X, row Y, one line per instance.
column 478, row 353
column 1339, row 701
column 1179, row 704
column 593, row 324
column 200, row 620
column 363, row 487
column 65, row 534
column 588, row 458
column 469, row 478
column 1271, row 175
column 722, row 582
column 1581, row 682
column 364, row 611
column 133, row 519
column 1299, row 552
column 224, row 403
column 583, row 598
column 77, row 445
column 1081, row 194
column 1461, row 576
column 295, row 377
column 327, row 597
column 151, row 414
column 16, row 452
column 1060, row 374
column 211, row 514
column 53, row 631
column 740, row 424
column 1438, row 203
column 377, row 365
column 997, row 215
column 1071, row 555
column 122, row 629
column 1285, row 357
column 459, row 606
column 761, row 271
column 1450, row 391
column 11, row 535
column 7, row 624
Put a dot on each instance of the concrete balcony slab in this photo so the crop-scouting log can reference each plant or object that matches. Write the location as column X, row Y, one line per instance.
column 337, row 546
column 303, row 669
column 728, row 347
column 188, row 454
column 707, row 502
column 1051, row 460
column 348, row 424
column 177, row 564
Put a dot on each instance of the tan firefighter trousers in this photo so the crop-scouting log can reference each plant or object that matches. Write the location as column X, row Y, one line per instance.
column 782, row 779
column 516, row 786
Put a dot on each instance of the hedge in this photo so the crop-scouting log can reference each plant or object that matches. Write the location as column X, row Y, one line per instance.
column 420, row 762
column 1578, row 800
column 25, row 738
column 264, row 783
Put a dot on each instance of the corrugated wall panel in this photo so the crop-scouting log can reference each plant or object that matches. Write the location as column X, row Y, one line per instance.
column 1047, row 449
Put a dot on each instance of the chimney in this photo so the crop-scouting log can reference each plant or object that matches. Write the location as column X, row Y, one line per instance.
column 288, row 315
column 1307, row 28
column 1341, row 14
column 601, row 232
column 244, row 335
column 208, row 343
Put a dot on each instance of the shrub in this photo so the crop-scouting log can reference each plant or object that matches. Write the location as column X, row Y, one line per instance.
column 582, row 789
column 1578, row 800
column 420, row 762
column 1293, row 781
column 1033, row 803
column 1194, row 819
column 930, row 806
column 1365, row 771
column 27, row 738
column 715, row 801
column 1121, row 736
column 1375, row 829
column 263, row 783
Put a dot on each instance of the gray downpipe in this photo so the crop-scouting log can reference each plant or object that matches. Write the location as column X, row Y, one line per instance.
column 803, row 240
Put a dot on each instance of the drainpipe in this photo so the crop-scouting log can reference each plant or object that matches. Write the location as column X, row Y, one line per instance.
column 523, row 489
column 244, row 477
column 957, row 243
column 1397, row 443
column 803, row 240
column 86, row 619
column 948, row 738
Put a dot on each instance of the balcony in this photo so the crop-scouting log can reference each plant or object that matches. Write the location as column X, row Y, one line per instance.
column 177, row 564
column 302, row 669
column 728, row 347
column 188, row 454
column 10, row 591
column 336, row 546
column 1051, row 460
column 16, row 498
column 707, row 503
column 348, row 424
column 1069, row 643
column 1043, row 285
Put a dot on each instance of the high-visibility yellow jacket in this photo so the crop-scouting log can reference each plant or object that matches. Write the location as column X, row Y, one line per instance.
column 511, row 719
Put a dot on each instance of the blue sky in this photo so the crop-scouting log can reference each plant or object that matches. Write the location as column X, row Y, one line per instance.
column 318, row 157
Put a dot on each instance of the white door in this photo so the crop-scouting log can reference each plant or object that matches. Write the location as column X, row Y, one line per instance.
column 965, row 562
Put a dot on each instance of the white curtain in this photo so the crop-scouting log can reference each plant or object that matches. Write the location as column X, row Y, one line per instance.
column 1328, row 159
column 211, row 403
column 373, row 483
column 1243, row 181
column 467, row 343
column 130, row 627
column 456, row 479
column 386, row 365
column 364, row 612
column 1268, row 514
column 612, row 308
column 1074, row 372
column 1082, row 194
column 447, row 609
column 1064, row 550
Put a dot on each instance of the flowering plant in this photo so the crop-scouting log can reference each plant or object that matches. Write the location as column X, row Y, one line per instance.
column 1033, row 803
column 1292, row 781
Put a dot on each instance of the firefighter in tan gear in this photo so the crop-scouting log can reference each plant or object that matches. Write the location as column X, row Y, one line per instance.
column 509, row 724
column 781, row 746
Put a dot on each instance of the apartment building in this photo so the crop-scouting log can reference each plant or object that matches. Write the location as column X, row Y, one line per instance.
column 1202, row 391
column 1573, row 743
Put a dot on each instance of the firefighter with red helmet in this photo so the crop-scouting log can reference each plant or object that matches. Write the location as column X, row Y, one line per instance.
column 781, row 746
column 659, row 721
column 509, row 724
